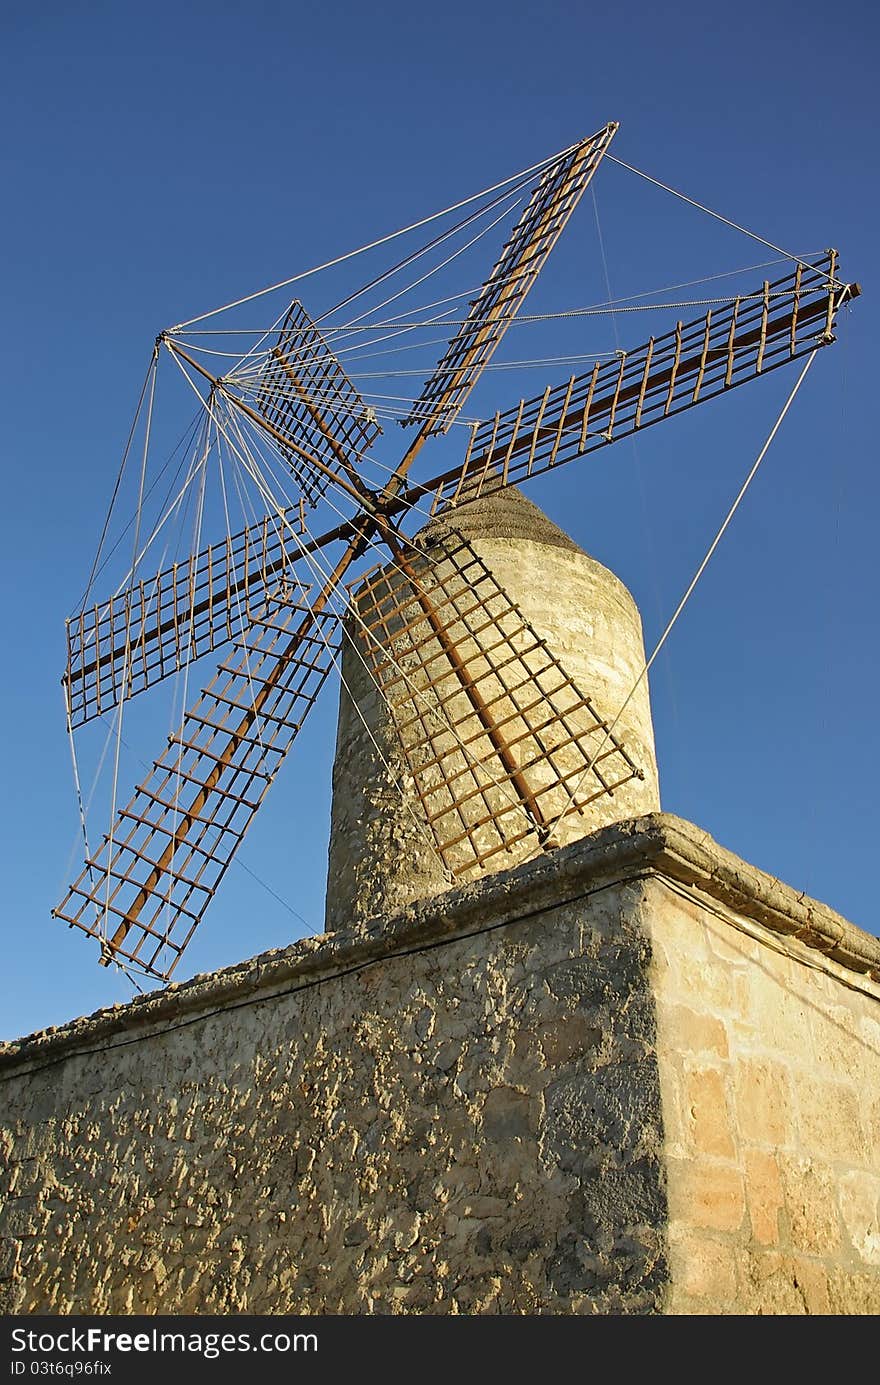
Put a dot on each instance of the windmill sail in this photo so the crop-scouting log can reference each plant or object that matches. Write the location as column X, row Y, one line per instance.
column 534, row 236
column 147, row 887
column 749, row 337
column 499, row 740
column 304, row 395
column 119, row 647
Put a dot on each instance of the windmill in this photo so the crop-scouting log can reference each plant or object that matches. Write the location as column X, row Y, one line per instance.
column 501, row 744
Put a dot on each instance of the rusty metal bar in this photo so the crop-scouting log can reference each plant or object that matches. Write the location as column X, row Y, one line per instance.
column 512, row 770
column 645, row 374
column 731, row 343
column 587, row 405
column 765, row 315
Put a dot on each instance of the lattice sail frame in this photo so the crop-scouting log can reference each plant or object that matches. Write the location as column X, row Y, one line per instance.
column 666, row 375
column 144, row 891
column 534, row 236
column 124, row 645
column 306, row 396
column 489, row 795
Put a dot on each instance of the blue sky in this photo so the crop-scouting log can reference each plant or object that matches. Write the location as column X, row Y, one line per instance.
column 160, row 160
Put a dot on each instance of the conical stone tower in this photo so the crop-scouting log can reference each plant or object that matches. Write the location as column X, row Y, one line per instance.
column 383, row 851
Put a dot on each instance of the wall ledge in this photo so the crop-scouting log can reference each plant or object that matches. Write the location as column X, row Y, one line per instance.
column 658, row 844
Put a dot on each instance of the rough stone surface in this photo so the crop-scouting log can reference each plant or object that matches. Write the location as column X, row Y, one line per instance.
column 620, row 1079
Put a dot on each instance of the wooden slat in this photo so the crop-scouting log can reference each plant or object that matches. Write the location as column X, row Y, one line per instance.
column 562, row 413
column 673, row 374
column 513, row 437
column 587, row 405
column 704, row 355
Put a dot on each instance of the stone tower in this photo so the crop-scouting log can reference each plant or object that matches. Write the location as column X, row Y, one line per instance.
column 381, row 852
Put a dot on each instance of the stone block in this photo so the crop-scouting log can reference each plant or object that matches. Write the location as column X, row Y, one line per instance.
column 859, row 1201
column 811, row 1206
column 763, row 1102
column 684, row 1030
column 830, row 1120
column 506, row 1115
column 764, row 1195
column 708, row 978
column 617, row 1106
column 708, row 1197
column 568, row 1038
column 780, row 1284
column 708, row 1122
column 10, row 1251
column 703, row 1267
column 853, row 1294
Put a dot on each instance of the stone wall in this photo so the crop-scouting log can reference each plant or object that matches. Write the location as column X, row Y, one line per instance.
column 769, row 1056
column 463, row 1117
column 633, row 1076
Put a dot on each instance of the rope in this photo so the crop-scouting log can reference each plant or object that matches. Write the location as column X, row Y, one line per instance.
column 241, row 620
column 383, row 240
column 63, row 885
column 399, row 325
column 582, row 358
column 512, row 202
column 695, row 579
column 192, row 471
column 638, row 468
column 102, row 921
column 598, row 311
column 197, row 532
column 76, row 780
column 717, row 215
column 331, row 332
column 184, row 442
column 122, row 466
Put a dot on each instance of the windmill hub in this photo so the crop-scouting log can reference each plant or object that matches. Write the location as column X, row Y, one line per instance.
column 470, row 761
